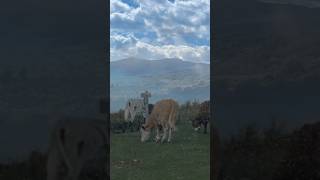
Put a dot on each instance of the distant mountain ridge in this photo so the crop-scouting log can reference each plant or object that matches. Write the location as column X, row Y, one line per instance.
column 143, row 66
column 164, row 78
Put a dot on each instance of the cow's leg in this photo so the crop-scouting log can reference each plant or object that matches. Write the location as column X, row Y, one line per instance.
column 165, row 130
column 157, row 139
column 172, row 125
column 170, row 134
column 205, row 123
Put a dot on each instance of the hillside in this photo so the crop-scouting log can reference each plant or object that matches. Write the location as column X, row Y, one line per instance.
column 163, row 78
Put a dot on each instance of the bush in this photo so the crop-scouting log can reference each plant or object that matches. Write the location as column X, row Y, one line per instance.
column 118, row 125
column 188, row 111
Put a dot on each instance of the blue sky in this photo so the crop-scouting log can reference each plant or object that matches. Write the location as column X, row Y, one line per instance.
column 156, row 29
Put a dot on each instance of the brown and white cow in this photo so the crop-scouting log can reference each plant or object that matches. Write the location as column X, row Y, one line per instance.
column 163, row 116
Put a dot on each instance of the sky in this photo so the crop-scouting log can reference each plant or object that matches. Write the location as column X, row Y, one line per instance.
column 157, row 29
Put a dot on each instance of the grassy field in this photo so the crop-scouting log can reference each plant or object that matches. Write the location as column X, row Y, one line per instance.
column 187, row 157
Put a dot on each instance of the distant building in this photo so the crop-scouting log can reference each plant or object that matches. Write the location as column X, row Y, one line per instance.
column 137, row 106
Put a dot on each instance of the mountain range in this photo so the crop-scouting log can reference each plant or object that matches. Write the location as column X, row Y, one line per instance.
column 164, row 78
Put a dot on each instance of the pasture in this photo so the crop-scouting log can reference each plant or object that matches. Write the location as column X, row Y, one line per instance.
column 187, row 157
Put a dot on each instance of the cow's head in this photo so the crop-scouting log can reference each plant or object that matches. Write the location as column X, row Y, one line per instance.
column 145, row 133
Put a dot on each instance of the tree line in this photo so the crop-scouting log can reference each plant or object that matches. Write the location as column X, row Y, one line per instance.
column 187, row 112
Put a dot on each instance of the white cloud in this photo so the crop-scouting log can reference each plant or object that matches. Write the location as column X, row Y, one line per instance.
column 178, row 29
column 148, row 51
column 119, row 6
column 121, row 41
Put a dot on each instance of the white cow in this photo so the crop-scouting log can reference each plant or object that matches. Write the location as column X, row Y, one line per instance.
column 78, row 150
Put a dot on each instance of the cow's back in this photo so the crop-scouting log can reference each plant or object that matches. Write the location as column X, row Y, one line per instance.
column 163, row 109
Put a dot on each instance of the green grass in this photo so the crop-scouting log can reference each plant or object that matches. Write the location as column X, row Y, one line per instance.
column 187, row 157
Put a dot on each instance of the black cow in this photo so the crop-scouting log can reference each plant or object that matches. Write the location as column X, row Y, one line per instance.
column 202, row 119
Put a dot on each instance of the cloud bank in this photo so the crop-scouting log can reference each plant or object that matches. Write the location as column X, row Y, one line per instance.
column 160, row 29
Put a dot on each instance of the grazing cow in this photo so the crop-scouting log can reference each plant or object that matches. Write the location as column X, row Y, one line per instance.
column 78, row 150
column 203, row 117
column 162, row 116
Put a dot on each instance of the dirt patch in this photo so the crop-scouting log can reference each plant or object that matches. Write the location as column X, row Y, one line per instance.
column 127, row 163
